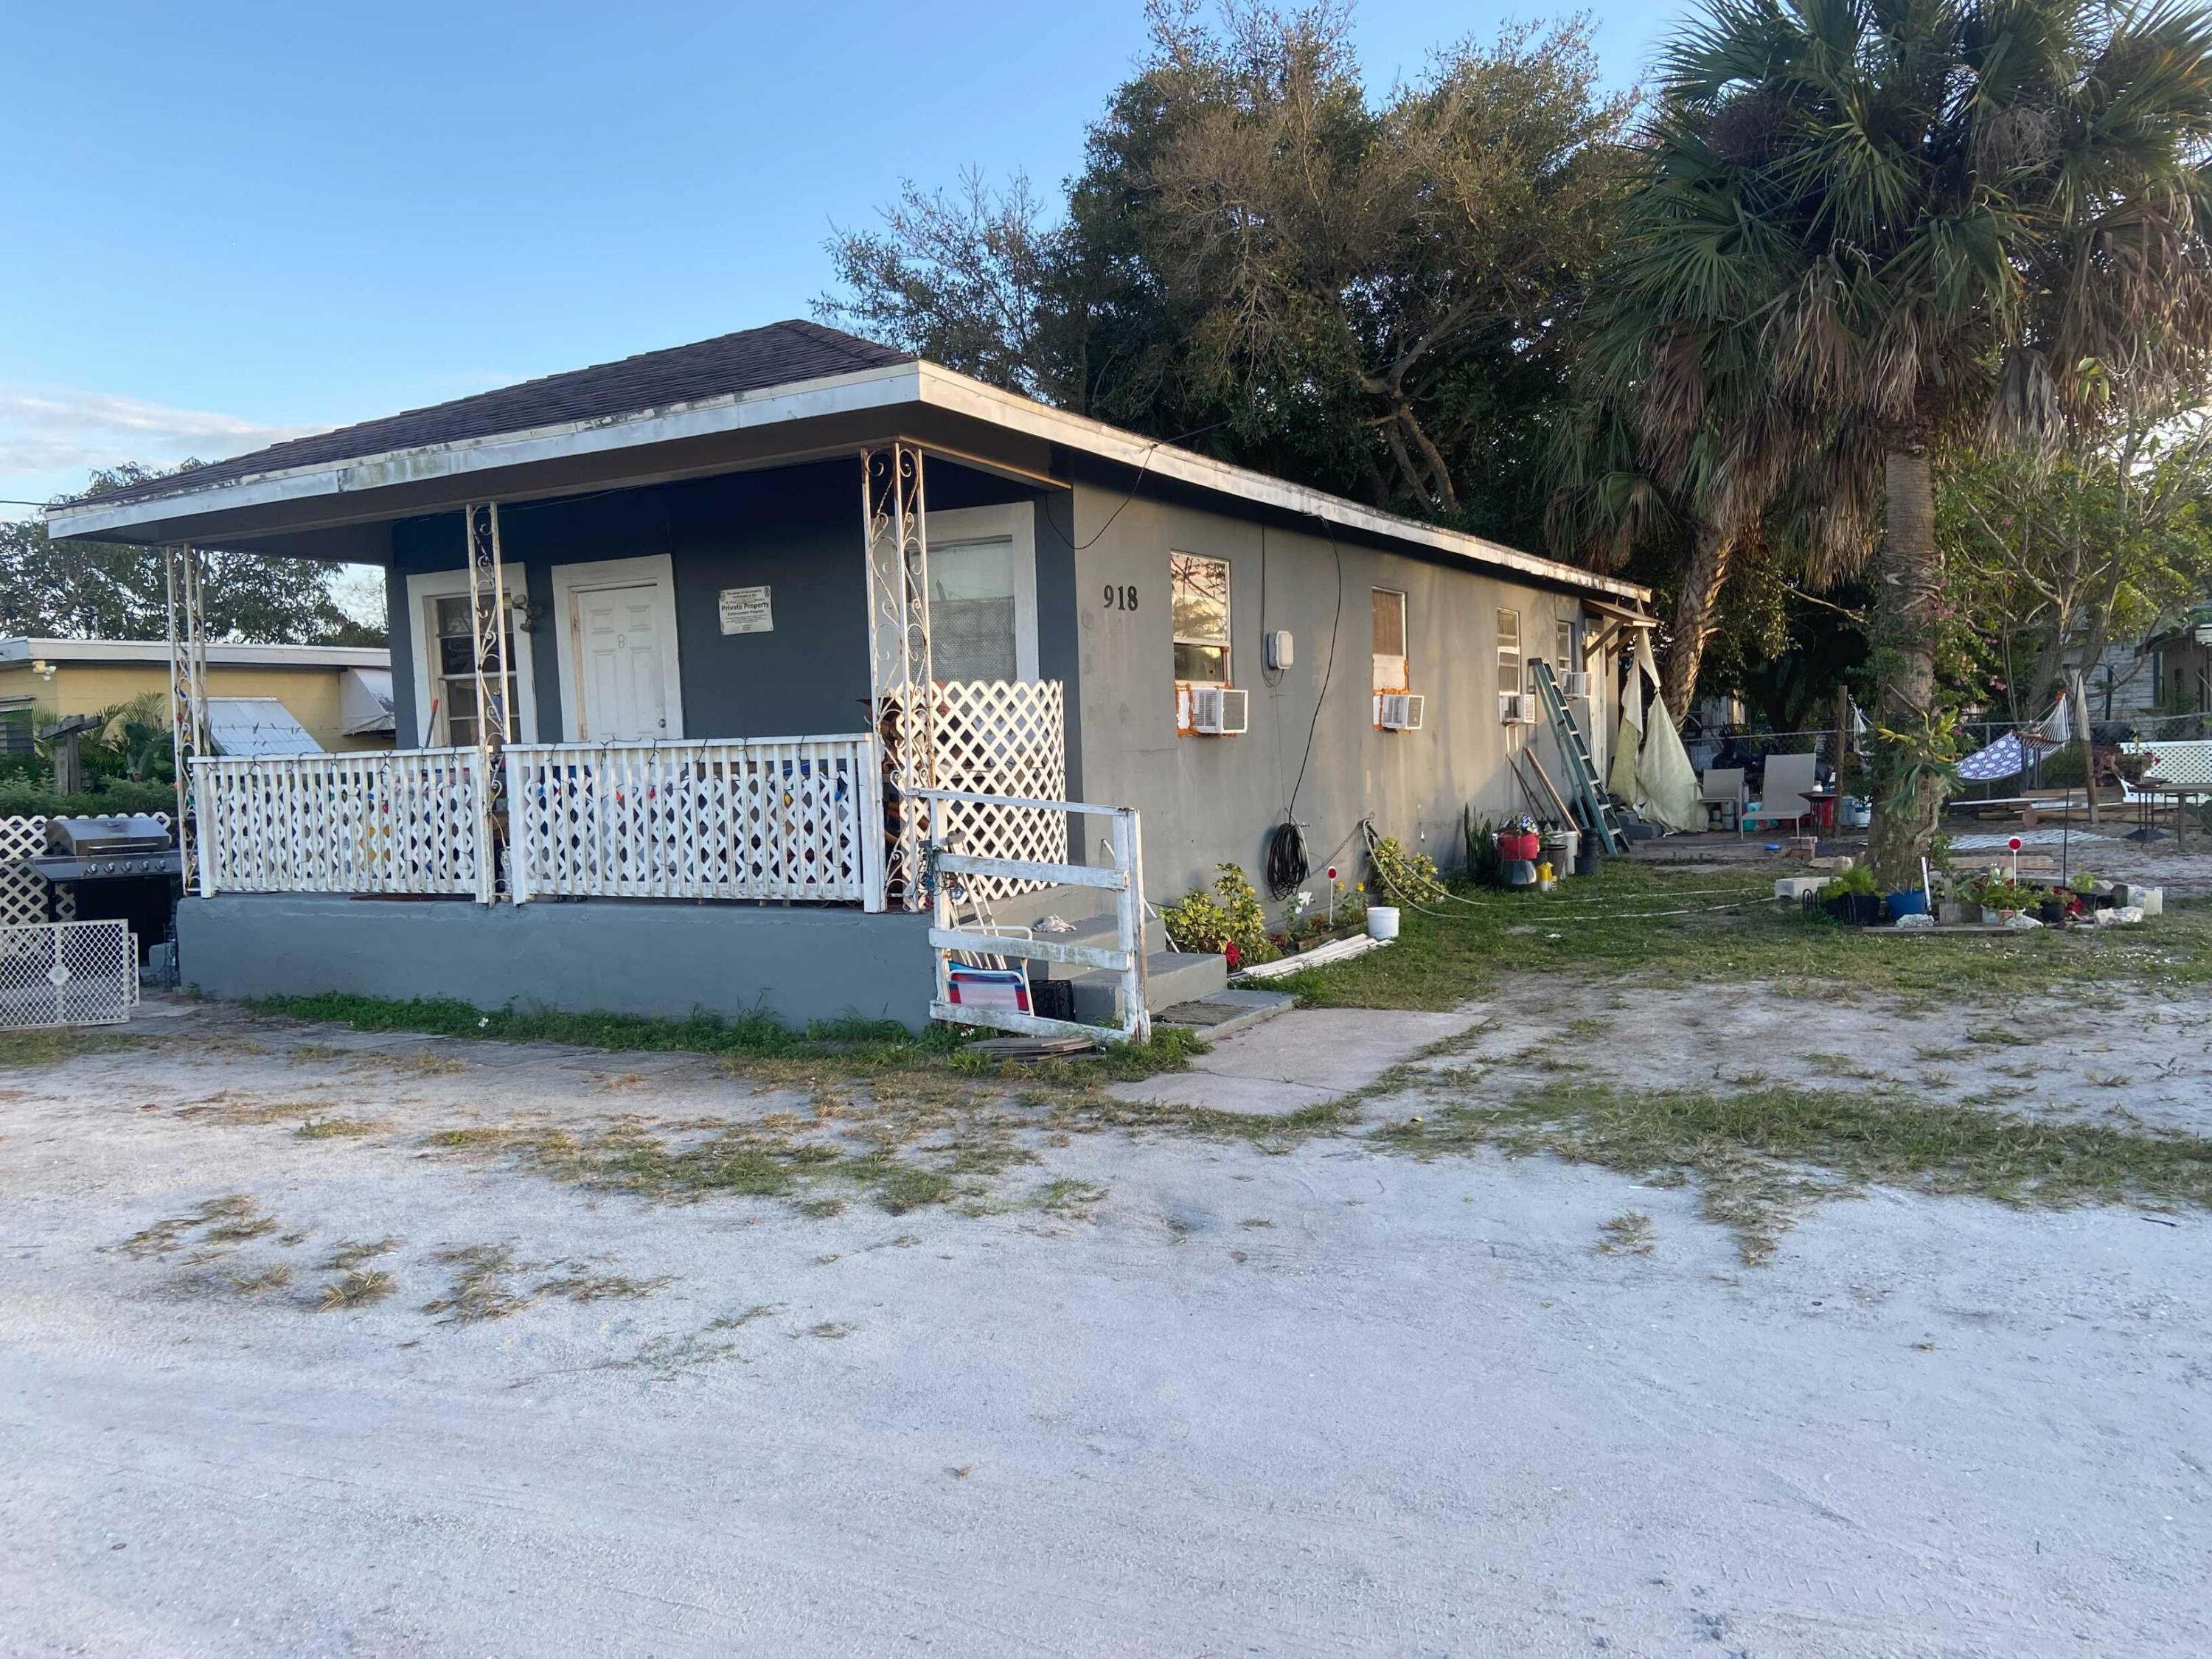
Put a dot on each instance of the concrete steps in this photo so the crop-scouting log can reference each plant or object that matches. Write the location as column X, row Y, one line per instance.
column 1172, row 976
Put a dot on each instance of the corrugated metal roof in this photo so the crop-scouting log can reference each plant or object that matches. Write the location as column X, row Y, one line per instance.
column 257, row 726
column 778, row 355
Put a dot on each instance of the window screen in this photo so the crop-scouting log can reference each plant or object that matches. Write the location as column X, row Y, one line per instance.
column 1508, row 652
column 1201, row 605
column 971, row 611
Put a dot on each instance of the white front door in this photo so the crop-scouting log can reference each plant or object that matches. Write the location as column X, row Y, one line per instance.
column 619, row 679
column 625, row 675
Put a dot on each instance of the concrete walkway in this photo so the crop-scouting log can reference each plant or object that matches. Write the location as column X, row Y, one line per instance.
column 1300, row 1059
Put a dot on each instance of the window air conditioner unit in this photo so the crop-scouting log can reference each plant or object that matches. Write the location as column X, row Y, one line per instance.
column 1575, row 685
column 1399, row 711
column 1516, row 708
column 1219, row 711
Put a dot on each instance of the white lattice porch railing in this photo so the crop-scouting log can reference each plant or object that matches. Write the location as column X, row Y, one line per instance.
column 738, row 819
column 404, row 822
column 1005, row 739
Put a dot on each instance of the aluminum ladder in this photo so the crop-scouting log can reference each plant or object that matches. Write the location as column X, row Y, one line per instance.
column 1588, row 790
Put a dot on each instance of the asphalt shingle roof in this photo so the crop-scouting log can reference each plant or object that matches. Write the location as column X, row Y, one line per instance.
column 748, row 361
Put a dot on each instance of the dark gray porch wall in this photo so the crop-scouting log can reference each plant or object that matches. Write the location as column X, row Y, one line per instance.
column 798, row 962
column 796, row 530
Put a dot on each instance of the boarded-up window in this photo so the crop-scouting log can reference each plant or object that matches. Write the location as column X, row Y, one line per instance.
column 1201, row 605
column 1509, row 653
column 1391, row 668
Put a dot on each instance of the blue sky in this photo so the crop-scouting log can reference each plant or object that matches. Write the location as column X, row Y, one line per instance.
column 235, row 222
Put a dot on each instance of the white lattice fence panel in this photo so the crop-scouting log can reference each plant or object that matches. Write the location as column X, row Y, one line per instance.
column 67, row 973
column 404, row 822
column 23, row 892
column 1003, row 737
column 751, row 818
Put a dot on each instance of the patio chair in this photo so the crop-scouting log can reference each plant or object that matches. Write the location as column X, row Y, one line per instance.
column 1721, row 791
column 1782, row 796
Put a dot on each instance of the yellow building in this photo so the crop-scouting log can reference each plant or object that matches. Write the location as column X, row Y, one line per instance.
column 340, row 695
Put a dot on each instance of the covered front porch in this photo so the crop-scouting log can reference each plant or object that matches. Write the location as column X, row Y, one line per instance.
column 588, row 780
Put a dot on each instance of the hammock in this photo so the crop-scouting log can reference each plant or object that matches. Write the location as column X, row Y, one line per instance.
column 2014, row 751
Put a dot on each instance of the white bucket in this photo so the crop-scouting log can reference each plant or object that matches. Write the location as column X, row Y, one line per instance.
column 1382, row 922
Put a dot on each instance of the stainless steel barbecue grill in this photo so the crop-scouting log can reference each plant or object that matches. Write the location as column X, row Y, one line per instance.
column 104, row 849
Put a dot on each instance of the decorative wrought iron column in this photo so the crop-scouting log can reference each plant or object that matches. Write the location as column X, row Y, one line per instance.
column 899, row 678
column 489, row 623
column 188, row 709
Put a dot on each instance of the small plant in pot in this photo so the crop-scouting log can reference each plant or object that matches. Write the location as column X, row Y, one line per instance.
column 1852, row 898
column 2001, row 896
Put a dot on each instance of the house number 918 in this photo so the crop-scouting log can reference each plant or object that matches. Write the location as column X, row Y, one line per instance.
column 1120, row 599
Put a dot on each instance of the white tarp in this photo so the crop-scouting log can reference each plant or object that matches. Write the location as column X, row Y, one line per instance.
column 1666, row 791
column 1621, row 781
column 257, row 726
column 365, row 700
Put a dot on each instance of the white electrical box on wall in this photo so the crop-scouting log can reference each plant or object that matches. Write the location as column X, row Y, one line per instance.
column 1219, row 711
column 1280, row 648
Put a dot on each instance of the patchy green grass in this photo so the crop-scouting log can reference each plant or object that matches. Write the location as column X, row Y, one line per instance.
column 336, row 1129
column 482, row 1287
column 1627, row 1234
column 1677, row 927
column 356, row 1290
column 755, row 1045
column 1761, row 1155
column 231, row 1218
column 22, row 1051
column 350, row 1252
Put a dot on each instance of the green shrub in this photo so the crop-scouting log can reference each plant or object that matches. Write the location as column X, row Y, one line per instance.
column 1403, row 877
column 1209, row 923
column 1856, row 880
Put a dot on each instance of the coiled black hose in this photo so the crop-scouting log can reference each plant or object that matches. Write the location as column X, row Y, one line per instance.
column 1287, row 868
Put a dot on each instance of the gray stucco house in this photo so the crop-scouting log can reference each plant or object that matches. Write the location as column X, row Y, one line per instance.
column 755, row 593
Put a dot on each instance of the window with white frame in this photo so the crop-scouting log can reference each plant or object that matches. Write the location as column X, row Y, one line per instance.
column 1509, row 653
column 454, row 679
column 1199, row 599
column 1567, row 661
column 1390, row 668
column 444, row 661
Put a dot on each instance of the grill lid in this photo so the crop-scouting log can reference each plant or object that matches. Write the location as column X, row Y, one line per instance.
column 110, row 837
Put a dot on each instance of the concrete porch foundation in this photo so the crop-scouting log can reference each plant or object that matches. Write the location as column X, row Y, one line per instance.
column 658, row 957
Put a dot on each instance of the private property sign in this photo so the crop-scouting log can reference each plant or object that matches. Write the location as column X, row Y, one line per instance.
column 746, row 610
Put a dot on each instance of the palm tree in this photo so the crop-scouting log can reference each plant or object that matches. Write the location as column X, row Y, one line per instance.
column 1865, row 229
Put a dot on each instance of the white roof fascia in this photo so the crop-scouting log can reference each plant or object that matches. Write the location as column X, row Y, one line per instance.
column 910, row 383
column 941, row 388
column 865, row 389
column 21, row 649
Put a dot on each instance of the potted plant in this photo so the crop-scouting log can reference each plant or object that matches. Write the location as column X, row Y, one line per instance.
column 1852, row 898
column 2000, row 896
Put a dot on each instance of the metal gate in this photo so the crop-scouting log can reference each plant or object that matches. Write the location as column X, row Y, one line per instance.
column 67, row 973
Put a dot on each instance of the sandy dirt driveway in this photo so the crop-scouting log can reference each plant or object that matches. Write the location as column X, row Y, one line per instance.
column 1157, row 1393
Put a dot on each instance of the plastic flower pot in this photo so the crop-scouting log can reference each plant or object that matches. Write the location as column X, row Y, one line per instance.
column 1382, row 922
column 1854, row 909
column 1912, row 903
